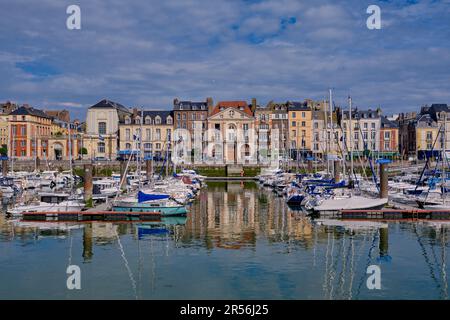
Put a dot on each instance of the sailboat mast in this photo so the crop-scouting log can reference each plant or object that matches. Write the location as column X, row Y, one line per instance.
column 70, row 155
column 444, row 157
column 332, row 127
column 351, row 136
column 327, row 141
column 141, row 147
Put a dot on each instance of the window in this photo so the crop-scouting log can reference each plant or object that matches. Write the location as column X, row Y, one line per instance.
column 365, row 125
column 184, row 116
column 148, row 146
column 127, row 134
column 303, row 133
column 356, row 135
column 138, row 120
column 168, row 133
column 169, row 120
column 294, row 133
column 158, row 120
column 128, row 146
column 303, row 124
column 373, row 135
column 193, row 116
column 148, row 120
column 316, row 146
column 293, row 114
column 303, row 114
column 148, row 134
column 245, row 126
column 101, row 147
column 365, row 135
column 23, row 143
column 158, row 134
column 373, row 125
column 178, row 116
column 102, row 128
column 294, row 123
column 386, row 145
column 429, row 135
column 23, row 130
column 127, row 120
column 387, row 135
column 158, row 146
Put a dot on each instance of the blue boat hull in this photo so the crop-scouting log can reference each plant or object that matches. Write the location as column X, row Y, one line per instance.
column 142, row 207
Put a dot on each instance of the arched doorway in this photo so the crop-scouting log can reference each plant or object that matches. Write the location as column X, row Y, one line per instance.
column 231, row 153
column 58, row 150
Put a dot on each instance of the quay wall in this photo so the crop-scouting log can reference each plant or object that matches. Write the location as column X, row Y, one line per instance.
column 105, row 168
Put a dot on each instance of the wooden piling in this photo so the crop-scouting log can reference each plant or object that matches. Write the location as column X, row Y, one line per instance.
column 88, row 186
column 383, row 180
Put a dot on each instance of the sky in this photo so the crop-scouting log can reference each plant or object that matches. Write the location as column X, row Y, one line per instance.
column 146, row 53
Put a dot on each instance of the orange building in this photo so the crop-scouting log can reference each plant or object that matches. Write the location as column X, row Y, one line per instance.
column 388, row 136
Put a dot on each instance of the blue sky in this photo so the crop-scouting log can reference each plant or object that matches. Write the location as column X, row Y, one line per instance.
column 146, row 53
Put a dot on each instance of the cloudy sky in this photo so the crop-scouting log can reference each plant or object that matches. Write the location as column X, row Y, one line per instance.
column 146, row 53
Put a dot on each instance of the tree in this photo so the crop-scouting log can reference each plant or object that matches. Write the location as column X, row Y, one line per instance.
column 4, row 150
column 82, row 151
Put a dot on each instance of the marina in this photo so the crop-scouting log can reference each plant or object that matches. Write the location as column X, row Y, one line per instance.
column 239, row 240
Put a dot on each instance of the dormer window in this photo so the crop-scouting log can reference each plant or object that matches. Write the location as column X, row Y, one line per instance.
column 137, row 120
column 148, row 120
column 158, row 120
column 169, row 120
column 127, row 120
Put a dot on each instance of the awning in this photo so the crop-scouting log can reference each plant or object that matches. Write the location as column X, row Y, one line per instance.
column 128, row 152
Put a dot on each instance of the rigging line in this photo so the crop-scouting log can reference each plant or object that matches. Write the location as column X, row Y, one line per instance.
column 130, row 274
column 425, row 255
column 350, row 287
column 443, row 265
column 369, row 259
column 325, row 280
column 344, row 262
column 332, row 266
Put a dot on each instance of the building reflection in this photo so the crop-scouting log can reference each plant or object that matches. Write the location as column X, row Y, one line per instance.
column 232, row 215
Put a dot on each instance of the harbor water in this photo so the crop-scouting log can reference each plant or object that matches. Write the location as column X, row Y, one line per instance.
column 238, row 241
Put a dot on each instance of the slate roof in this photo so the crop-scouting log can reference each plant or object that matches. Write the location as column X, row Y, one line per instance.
column 298, row 106
column 190, row 106
column 107, row 104
column 386, row 123
column 25, row 111
column 163, row 114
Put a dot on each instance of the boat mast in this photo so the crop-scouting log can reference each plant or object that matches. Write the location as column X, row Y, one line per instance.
column 351, row 136
column 70, row 155
column 444, row 157
column 332, row 127
column 141, row 147
column 327, row 141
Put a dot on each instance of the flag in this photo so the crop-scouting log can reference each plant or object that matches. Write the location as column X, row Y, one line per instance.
column 101, row 138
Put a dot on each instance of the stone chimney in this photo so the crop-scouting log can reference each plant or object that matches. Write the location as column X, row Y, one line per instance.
column 175, row 102
column 210, row 105
column 253, row 105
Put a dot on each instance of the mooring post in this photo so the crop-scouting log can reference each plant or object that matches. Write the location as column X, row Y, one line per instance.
column 310, row 166
column 384, row 241
column 123, row 180
column 5, row 167
column 337, row 171
column 88, row 183
column 149, row 169
column 383, row 180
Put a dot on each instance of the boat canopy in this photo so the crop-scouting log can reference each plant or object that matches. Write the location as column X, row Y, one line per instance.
column 142, row 197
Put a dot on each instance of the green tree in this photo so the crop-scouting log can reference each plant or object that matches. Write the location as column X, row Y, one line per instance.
column 4, row 150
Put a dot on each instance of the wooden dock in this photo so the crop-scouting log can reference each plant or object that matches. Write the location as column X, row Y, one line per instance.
column 78, row 216
column 395, row 214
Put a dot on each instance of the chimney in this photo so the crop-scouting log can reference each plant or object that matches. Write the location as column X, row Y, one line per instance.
column 210, row 105
column 253, row 105
column 175, row 102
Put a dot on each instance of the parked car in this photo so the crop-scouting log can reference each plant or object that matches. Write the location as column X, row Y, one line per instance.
column 101, row 159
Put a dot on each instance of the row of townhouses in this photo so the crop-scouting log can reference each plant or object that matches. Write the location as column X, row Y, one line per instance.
column 222, row 132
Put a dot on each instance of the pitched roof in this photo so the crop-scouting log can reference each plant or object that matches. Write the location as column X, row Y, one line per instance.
column 163, row 114
column 241, row 105
column 105, row 103
column 298, row 106
column 24, row 111
column 190, row 105
column 386, row 123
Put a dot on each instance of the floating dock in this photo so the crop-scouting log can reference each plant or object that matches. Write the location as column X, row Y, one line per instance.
column 395, row 214
column 91, row 216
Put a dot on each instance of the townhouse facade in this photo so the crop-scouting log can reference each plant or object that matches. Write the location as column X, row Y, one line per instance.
column 146, row 131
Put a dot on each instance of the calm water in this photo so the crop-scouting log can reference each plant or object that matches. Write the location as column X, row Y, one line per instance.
column 238, row 242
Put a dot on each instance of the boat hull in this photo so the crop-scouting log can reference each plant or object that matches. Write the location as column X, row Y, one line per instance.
column 142, row 207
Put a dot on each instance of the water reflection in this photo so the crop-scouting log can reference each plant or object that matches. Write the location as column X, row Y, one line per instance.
column 238, row 241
